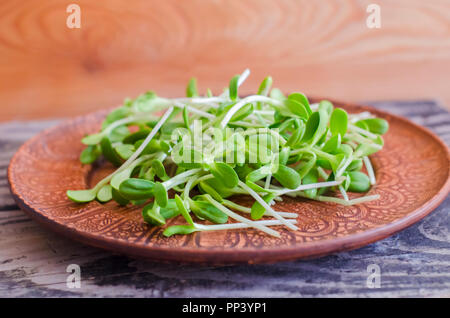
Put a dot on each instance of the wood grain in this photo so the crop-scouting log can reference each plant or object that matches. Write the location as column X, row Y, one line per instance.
column 33, row 261
column 321, row 47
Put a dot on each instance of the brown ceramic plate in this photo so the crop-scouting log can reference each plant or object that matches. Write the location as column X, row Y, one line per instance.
column 412, row 172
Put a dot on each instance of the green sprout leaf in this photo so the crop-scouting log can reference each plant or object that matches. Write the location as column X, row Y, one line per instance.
column 359, row 182
column 81, row 196
column 90, row 154
column 152, row 215
column 338, row 122
column 179, row 229
column 233, row 87
column 105, row 193
column 191, row 89
column 224, row 172
column 137, row 189
column 287, row 177
column 160, row 194
column 182, row 208
column 206, row 211
column 375, row 125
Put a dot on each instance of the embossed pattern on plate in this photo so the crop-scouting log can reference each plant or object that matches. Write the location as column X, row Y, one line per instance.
column 412, row 172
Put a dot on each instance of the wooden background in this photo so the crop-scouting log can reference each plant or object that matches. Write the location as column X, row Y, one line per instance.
column 320, row 47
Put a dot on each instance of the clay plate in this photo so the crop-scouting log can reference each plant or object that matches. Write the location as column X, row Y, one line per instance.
column 412, row 172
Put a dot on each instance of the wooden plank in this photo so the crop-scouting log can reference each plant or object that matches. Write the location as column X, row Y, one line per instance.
column 322, row 47
column 33, row 261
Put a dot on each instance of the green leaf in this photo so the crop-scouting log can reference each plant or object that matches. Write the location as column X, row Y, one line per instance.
column 105, row 193
column 116, row 114
column 125, row 151
column 243, row 112
column 355, row 165
column 376, row 125
column 170, row 210
column 258, row 174
column 332, row 144
column 302, row 99
column 287, row 177
column 311, row 177
column 297, row 108
column 257, row 210
column 152, row 216
column 277, row 94
column 161, row 195
column 219, row 188
column 90, row 154
column 323, row 190
column 92, row 139
column 283, row 155
column 264, row 88
column 138, row 135
column 308, row 165
column 186, row 117
column 225, row 173
column 338, row 122
column 137, row 189
column 366, row 149
column 316, row 126
column 81, row 196
column 207, row 188
column 179, row 229
column 119, row 133
column 191, row 89
column 359, row 182
column 109, row 153
column 296, row 137
column 344, row 149
column 207, row 211
column 233, row 87
column 159, row 169
column 118, row 197
column 184, row 212
column 326, row 106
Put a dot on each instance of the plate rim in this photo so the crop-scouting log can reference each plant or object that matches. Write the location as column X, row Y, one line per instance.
column 228, row 255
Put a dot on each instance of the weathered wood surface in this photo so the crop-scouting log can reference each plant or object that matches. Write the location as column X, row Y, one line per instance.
column 33, row 261
column 321, row 47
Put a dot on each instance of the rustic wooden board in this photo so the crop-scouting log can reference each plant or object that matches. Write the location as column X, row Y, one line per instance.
column 123, row 48
column 33, row 261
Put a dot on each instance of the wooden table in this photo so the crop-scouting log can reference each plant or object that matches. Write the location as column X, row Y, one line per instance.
column 33, row 261
column 123, row 48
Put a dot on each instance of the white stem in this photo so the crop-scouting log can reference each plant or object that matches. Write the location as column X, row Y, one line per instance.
column 342, row 169
column 263, row 203
column 310, row 186
column 244, row 209
column 347, row 203
column 362, row 131
column 243, row 77
column 268, row 179
column 232, row 226
column 195, row 110
column 343, row 192
column 241, row 218
column 180, row 178
column 369, row 169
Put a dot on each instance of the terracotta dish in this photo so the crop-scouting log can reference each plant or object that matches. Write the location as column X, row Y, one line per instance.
column 412, row 172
